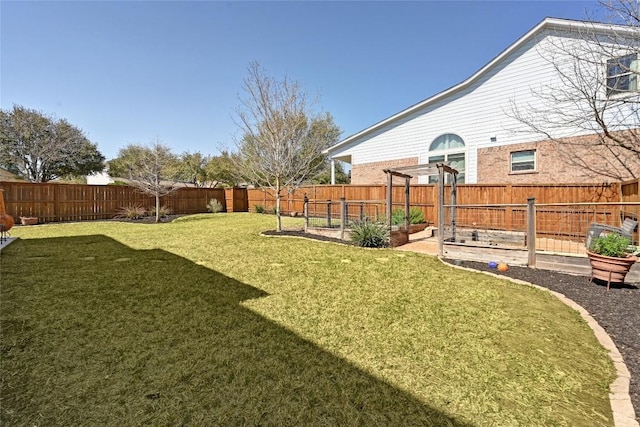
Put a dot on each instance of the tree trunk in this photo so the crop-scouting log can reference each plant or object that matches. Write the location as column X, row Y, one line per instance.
column 278, row 217
column 157, row 208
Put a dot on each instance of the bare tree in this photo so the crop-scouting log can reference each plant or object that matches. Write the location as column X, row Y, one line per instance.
column 150, row 169
column 598, row 67
column 282, row 139
column 41, row 148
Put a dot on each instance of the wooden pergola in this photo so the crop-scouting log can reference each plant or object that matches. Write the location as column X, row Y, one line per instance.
column 408, row 172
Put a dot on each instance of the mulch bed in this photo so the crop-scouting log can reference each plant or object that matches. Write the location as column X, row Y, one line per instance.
column 616, row 310
column 147, row 219
column 301, row 233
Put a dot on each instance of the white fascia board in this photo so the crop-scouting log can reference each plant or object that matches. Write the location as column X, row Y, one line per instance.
column 547, row 23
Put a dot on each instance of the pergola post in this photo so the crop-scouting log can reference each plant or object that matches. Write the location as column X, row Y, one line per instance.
column 440, row 211
column 406, row 204
column 454, row 196
column 428, row 169
column 333, row 172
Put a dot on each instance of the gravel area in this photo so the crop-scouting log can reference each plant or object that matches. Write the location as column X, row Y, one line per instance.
column 616, row 310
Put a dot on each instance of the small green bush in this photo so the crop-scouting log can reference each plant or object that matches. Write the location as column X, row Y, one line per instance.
column 370, row 234
column 416, row 216
column 611, row 244
column 164, row 211
column 259, row 208
column 397, row 216
column 215, row 206
column 131, row 212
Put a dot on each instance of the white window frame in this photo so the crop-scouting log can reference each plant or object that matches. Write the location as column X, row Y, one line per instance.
column 432, row 179
column 519, row 162
column 632, row 74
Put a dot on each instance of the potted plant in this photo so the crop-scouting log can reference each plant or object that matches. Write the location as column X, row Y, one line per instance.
column 611, row 257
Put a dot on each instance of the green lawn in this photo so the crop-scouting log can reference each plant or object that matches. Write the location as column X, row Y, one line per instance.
column 204, row 322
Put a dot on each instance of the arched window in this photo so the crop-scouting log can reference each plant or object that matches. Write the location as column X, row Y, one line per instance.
column 447, row 141
column 448, row 148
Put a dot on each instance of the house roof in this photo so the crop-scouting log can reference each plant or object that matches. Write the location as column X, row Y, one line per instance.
column 5, row 175
column 545, row 24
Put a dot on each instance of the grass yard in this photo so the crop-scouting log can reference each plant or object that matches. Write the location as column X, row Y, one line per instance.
column 204, row 322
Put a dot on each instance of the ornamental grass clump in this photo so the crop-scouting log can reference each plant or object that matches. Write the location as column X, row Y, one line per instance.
column 215, row 206
column 611, row 244
column 164, row 211
column 369, row 234
column 416, row 216
column 131, row 212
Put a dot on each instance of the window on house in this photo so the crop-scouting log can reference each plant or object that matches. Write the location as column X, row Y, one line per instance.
column 522, row 161
column 448, row 148
column 622, row 74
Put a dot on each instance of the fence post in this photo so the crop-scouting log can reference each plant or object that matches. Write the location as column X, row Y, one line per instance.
column 343, row 216
column 406, row 206
column 361, row 211
column 305, row 212
column 329, row 213
column 531, row 231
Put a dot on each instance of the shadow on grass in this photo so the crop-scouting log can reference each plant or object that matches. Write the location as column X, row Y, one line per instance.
column 97, row 333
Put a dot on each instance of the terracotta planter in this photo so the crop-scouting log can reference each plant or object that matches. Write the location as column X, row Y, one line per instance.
column 610, row 269
column 28, row 220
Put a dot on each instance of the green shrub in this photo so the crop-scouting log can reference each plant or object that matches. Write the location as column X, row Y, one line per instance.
column 259, row 208
column 397, row 216
column 131, row 212
column 611, row 244
column 164, row 211
column 370, row 234
column 215, row 206
column 416, row 216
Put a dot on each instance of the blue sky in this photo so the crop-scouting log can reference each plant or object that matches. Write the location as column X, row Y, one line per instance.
column 136, row 71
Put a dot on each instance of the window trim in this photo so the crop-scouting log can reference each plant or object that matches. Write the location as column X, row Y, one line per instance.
column 464, row 150
column 535, row 162
column 613, row 91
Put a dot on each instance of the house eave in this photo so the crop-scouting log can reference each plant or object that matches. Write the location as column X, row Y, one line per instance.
column 547, row 23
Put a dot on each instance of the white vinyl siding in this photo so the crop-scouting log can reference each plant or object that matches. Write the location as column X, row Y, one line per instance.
column 476, row 113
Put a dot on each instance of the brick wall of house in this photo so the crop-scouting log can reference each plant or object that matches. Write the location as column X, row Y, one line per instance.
column 556, row 161
column 372, row 173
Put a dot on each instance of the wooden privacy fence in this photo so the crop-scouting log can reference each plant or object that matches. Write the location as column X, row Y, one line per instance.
column 426, row 197
column 77, row 202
